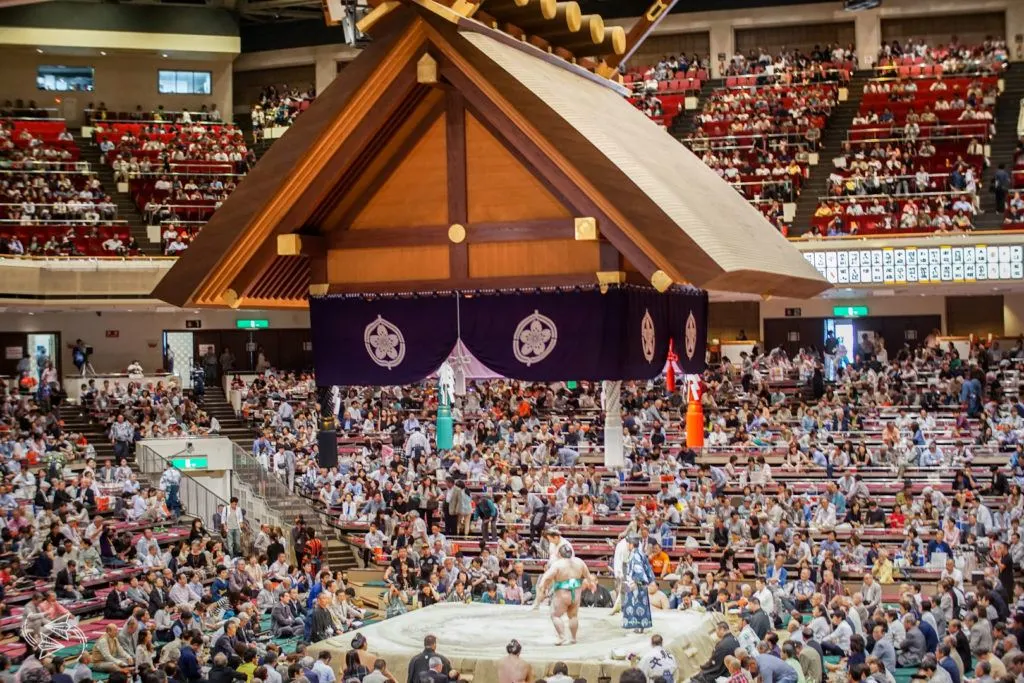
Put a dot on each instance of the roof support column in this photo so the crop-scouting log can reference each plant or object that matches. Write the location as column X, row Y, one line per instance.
column 614, row 455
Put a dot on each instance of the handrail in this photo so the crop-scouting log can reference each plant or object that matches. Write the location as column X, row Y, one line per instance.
column 769, row 180
column 186, row 206
column 31, row 118
column 188, row 174
column 6, row 163
column 842, row 180
column 862, row 197
column 988, row 70
column 698, row 136
column 904, row 234
column 87, row 204
column 195, row 498
column 797, row 146
column 271, row 488
column 42, row 170
column 65, row 258
column 921, row 126
column 836, row 84
column 51, row 223
column 170, row 222
column 930, row 138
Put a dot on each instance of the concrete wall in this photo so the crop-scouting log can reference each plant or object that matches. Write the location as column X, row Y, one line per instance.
column 217, row 450
column 877, row 306
column 722, row 25
column 122, row 81
column 139, row 334
column 1013, row 314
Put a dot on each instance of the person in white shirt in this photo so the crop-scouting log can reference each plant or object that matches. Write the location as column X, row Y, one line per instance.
column 619, row 559
column 824, row 516
column 658, row 661
column 113, row 244
column 764, row 594
column 838, row 641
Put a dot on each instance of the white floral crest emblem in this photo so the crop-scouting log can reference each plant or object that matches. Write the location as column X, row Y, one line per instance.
column 385, row 343
column 534, row 339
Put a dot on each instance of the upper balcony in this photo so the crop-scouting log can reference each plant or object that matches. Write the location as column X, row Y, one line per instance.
column 68, row 279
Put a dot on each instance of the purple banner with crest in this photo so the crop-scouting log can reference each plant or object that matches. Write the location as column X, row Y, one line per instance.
column 381, row 341
column 535, row 336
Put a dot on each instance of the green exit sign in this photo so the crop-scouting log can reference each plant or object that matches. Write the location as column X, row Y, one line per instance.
column 192, row 463
column 850, row 311
column 252, row 324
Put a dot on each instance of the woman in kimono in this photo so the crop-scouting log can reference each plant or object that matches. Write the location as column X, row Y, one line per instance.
column 636, row 603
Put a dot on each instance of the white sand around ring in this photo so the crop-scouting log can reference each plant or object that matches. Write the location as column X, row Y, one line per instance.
column 474, row 637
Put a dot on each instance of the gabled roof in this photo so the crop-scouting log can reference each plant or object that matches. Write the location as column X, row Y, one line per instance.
column 655, row 202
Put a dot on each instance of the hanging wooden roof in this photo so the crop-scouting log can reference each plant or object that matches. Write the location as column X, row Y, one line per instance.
column 450, row 155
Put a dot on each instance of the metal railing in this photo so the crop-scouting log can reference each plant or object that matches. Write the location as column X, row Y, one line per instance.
column 195, row 499
column 110, row 116
column 27, row 164
column 76, row 171
column 900, row 139
column 30, row 114
column 273, row 492
column 188, row 174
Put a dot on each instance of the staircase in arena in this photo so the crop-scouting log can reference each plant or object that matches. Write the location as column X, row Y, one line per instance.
column 686, row 121
column 126, row 209
column 216, row 404
column 1003, row 144
column 832, row 139
column 81, row 423
column 255, row 487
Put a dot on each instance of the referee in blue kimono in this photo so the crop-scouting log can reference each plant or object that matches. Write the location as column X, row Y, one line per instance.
column 636, row 603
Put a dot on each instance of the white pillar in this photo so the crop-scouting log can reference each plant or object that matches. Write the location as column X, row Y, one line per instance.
column 722, row 40
column 867, row 28
column 614, row 454
column 326, row 70
column 1015, row 29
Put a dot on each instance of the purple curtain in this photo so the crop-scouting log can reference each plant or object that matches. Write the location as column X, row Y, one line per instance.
column 546, row 336
column 689, row 322
column 381, row 341
column 622, row 334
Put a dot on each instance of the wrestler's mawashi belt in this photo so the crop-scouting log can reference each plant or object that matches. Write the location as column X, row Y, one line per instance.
column 569, row 585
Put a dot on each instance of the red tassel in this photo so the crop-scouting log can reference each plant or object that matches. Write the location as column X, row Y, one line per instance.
column 670, row 374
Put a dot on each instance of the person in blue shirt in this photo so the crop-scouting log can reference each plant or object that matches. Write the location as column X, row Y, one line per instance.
column 410, row 425
column 937, row 544
column 611, row 498
column 839, row 500
column 970, row 394
column 219, row 587
column 776, row 575
column 831, row 545
column 262, row 447
column 771, row 668
column 188, row 663
column 819, row 458
column 317, row 588
column 918, row 437
column 931, row 638
column 947, row 662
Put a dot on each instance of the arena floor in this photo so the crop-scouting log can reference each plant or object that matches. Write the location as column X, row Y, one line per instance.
column 474, row 636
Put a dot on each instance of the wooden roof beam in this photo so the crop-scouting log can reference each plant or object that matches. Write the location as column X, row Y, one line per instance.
column 295, row 244
column 612, row 41
column 643, row 27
